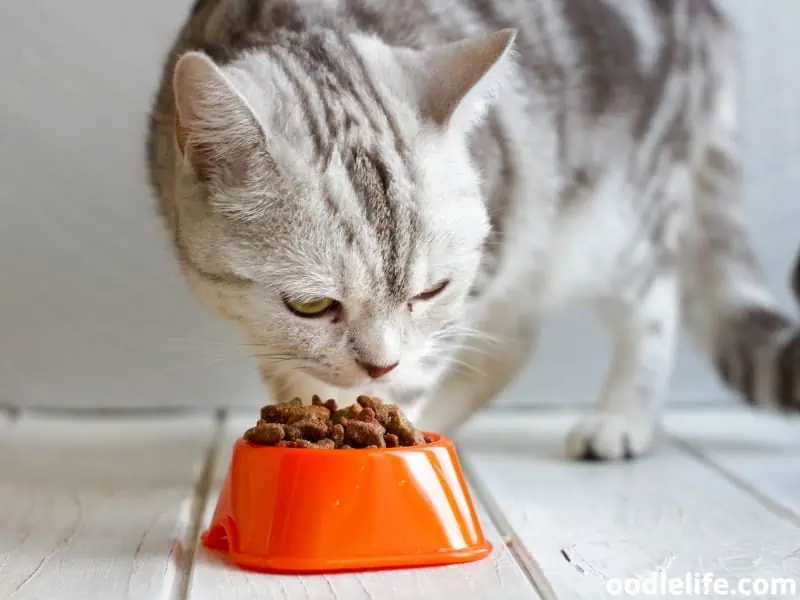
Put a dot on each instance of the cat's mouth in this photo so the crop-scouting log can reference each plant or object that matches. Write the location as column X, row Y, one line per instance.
column 351, row 379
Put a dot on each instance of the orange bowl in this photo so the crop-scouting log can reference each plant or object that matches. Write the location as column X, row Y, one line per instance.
column 297, row 510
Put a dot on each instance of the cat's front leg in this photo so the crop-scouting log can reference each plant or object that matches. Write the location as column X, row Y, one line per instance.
column 489, row 359
column 643, row 329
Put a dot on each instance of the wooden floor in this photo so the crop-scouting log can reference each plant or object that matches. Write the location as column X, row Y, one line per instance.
column 110, row 508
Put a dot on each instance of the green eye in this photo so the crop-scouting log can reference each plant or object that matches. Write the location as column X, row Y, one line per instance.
column 312, row 308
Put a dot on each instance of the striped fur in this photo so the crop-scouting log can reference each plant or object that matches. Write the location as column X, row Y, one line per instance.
column 367, row 150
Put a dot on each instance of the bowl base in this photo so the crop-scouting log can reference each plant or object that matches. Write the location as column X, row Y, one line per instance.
column 215, row 540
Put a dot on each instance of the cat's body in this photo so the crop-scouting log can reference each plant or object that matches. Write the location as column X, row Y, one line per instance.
column 596, row 162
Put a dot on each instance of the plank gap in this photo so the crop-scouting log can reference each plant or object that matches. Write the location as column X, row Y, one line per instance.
column 112, row 412
column 719, row 403
column 774, row 506
column 524, row 559
column 201, row 496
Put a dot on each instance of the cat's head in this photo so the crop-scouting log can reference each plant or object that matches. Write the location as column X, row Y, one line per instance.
column 326, row 200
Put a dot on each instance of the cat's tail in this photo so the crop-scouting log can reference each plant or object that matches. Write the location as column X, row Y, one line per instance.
column 753, row 344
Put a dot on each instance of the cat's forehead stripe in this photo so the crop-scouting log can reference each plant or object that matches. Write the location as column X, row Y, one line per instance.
column 371, row 182
column 336, row 91
column 332, row 76
column 311, row 56
column 395, row 129
column 354, row 241
column 344, row 95
column 315, row 125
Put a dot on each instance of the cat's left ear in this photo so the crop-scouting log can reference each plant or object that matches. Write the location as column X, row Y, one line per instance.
column 455, row 82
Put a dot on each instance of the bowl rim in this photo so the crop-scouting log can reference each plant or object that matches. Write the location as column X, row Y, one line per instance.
column 440, row 441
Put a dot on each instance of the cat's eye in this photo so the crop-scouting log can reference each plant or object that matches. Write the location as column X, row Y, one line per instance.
column 433, row 292
column 311, row 308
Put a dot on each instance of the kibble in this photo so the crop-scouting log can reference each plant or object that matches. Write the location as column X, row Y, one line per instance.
column 369, row 423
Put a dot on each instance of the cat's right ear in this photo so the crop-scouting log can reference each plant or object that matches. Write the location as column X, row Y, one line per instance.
column 215, row 128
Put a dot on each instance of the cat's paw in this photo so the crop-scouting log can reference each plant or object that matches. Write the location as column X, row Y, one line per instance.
column 610, row 436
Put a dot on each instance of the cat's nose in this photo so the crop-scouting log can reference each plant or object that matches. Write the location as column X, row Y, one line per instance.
column 376, row 371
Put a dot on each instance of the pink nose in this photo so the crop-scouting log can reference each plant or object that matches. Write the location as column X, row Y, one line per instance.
column 376, row 371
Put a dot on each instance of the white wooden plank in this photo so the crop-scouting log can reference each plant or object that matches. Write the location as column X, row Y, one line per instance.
column 759, row 449
column 496, row 577
column 582, row 524
column 97, row 508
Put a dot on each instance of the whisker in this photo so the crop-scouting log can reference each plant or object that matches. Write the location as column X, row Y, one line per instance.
column 465, row 365
column 476, row 333
column 453, row 349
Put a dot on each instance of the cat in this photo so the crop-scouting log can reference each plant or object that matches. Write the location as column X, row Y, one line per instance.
column 388, row 196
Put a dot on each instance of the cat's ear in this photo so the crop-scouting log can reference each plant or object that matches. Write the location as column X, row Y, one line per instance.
column 215, row 129
column 455, row 82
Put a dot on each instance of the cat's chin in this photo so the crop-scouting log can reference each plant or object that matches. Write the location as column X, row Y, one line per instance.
column 286, row 386
column 305, row 384
column 346, row 382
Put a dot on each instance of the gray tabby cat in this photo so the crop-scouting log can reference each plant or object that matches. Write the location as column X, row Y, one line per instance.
column 389, row 195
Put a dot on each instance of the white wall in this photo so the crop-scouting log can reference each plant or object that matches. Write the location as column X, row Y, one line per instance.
column 93, row 311
column 92, row 308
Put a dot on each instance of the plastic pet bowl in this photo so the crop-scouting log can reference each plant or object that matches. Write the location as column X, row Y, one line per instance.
column 297, row 510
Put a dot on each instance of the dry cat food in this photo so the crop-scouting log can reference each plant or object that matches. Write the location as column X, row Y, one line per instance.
column 369, row 423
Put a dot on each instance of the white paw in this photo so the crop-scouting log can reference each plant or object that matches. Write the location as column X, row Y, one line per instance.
column 610, row 436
